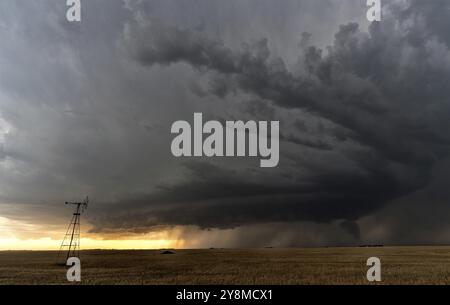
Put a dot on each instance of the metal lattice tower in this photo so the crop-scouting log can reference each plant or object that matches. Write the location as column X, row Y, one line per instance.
column 71, row 241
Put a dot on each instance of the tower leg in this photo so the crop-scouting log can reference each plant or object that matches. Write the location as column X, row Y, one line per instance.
column 72, row 238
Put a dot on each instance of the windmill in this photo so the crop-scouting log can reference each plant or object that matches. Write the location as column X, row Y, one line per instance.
column 71, row 240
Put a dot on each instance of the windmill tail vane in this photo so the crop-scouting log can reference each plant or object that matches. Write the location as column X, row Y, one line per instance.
column 70, row 246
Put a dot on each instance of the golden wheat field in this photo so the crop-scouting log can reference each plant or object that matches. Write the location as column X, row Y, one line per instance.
column 400, row 265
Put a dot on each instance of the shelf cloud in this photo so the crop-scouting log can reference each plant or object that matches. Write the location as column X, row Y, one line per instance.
column 363, row 110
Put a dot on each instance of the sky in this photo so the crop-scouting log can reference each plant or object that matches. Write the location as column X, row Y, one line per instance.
column 86, row 108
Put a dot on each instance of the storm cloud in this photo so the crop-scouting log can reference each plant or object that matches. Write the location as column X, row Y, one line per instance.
column 381, row 86
column 363, row 109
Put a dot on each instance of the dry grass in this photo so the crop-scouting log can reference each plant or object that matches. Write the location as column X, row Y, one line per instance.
column 400, row 265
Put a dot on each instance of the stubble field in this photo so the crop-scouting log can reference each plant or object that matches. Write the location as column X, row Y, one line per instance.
column 400, row 265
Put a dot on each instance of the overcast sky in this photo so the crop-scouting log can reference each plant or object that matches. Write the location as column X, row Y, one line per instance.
column 86, row 109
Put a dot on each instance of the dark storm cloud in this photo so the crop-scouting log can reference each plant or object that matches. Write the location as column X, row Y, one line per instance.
column 310, row 143
column 352, row 86
column 87, row 109
column 217, row 198
column 386, row 90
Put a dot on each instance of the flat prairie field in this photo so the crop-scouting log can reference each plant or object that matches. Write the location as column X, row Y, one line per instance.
column 345, row 266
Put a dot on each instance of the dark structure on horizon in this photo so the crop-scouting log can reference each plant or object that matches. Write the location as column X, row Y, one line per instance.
column 71, row 241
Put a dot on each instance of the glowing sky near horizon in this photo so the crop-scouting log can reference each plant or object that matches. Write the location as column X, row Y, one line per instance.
column 14, row 236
